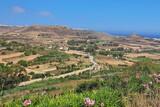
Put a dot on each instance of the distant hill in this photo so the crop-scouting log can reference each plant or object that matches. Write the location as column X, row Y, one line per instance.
column 38, row 33
column 135, row 37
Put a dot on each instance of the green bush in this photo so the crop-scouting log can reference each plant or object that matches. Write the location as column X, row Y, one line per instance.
column 87, row 86
column 35, row 76
column 135, row 85
column 110, row 98
column 51, row 57
column 114, row 82
column 23, row 63
column 28, row 52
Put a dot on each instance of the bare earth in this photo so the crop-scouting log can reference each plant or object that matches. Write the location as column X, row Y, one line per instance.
column 16, row 59
column 109, row 60
column 135, row 55
column 13, row 55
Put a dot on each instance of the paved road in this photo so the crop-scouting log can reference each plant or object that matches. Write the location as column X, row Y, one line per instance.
column 94, row 66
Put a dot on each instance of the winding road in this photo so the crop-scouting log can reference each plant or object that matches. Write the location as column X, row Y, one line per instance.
column 94, row 67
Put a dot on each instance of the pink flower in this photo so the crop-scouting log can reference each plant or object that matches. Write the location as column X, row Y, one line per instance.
column 154, row 75
column 27, row 103
column 157, row 80
column 146, row 86
column 88, row 102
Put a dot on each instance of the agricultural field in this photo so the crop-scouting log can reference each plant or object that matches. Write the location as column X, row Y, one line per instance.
column 79, row 53
column 3, row 58
column 104, row 60
column 16, row 59
column 148, row 55
column 70, row 72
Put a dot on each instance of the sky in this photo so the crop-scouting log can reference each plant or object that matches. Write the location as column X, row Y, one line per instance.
column 101, row 15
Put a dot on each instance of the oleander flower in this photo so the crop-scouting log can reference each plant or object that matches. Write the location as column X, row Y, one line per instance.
column 146, row 86
column 27, row 103
column 157, row 80
column 89, row 102
column 156, row 77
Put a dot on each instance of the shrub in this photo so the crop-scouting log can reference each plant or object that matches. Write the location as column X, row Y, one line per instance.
column 23, row 63
column 110, row 98
column 135, row 85
column 28, row 52
column 87, row 86
column 51, row 57
column 34, row 76
column 114, row 82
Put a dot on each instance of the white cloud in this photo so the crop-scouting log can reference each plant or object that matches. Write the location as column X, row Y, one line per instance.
column 45, row 13
column 18, row 9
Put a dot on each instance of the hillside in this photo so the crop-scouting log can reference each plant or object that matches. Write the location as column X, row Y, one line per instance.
column 43, row 34
column 55, row 66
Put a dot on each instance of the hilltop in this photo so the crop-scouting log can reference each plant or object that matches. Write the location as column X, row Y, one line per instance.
column 43, row 34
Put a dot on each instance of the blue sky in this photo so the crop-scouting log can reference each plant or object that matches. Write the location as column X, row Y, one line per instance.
column 102, row 15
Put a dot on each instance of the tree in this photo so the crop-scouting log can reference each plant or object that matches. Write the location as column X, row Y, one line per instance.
column 23, row 63
column 27, row 52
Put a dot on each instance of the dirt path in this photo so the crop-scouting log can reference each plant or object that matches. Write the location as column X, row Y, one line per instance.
column 94, row 67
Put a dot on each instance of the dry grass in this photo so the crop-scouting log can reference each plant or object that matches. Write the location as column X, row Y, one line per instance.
column 71, row 84
column 75, row 52
column 12, row 55
column 17, row 59
column 43, row 68
column 141, row 100
column 109, row 60
column 134, row 47
column 78, row 60
column 135, row 55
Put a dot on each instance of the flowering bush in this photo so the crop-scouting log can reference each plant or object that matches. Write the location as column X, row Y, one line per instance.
column 89, row 102
column 109, row 97
column 27, row 103
column 156, row 78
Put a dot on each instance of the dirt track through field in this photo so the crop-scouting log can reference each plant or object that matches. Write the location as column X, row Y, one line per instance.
column 93, row 67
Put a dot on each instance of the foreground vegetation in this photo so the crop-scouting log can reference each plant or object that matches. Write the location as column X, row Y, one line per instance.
column 125, row 89
column 106, row 96
column 112, row 86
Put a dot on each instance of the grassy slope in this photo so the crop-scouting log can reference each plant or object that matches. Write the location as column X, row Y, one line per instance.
column 111, row 98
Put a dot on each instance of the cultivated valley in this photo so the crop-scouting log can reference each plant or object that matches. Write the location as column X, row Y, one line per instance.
column 56, row 66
